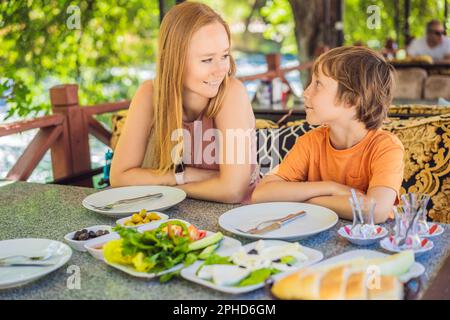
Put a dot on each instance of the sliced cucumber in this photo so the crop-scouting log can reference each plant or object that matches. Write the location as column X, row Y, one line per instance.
column 208, row 251
column 205, row 242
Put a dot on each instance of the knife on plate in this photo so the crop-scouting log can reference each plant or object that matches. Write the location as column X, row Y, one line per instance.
column 276, row 223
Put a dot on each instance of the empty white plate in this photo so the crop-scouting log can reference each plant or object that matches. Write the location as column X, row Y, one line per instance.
column 317, row 219
column 171, row 196
column 15, row 276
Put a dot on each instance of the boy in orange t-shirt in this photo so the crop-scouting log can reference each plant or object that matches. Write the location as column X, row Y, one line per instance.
column 349, row 95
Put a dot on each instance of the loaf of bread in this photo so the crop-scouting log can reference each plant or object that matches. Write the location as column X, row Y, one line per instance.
column 339, row 282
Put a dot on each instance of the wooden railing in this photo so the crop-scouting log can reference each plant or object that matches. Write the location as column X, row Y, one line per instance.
column 66, row 131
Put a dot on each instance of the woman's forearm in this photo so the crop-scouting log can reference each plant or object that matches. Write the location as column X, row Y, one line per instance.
column 141, row 176
column 216, row 189
column 290, row 191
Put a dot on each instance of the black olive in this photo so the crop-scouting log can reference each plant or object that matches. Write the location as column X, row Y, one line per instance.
column 83, row 236
column 277, row 261
column 84, row 231
column 99, row 233
column 76, row 235
column 91, row 234
column 105, row 232
column 253, row 251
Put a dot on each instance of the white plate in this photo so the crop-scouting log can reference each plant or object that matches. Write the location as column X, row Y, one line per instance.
column 16, row 276
column 144, row 275
column 386, row 244
column 414, row 271
column 317, row 219
column 189, row 273
column 226, row 244
column 79, row 244
column 160, row 214
column 362, row 241
column 171, row 196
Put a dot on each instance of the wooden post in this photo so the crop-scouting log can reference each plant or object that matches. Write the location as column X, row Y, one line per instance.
column 161, row 10
column 326, row 22
column 273, row 61
column 70, row 153
column 445, row 14
column 339, row 24
column 406, row 34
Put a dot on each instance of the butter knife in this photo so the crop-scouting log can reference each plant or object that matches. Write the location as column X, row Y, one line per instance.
column 277, row 223
column 25, row 264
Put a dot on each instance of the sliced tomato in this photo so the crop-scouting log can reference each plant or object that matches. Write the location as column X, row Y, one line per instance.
column 174, row 231
column 177, row 230
column 201, row 234
column 193, row 232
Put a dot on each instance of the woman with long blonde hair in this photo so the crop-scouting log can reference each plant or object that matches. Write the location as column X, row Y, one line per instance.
column 182, row 127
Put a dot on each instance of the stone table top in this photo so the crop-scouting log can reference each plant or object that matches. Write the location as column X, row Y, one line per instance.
column 31, row 210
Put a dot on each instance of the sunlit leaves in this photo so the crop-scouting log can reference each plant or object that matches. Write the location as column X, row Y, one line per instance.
column 38, row 49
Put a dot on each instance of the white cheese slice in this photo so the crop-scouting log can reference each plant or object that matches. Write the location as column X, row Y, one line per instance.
column 228, row 275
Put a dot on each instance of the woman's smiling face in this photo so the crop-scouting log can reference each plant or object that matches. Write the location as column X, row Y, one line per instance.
column 208, row 60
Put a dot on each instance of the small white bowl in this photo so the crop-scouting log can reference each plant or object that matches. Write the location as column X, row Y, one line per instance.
column 362, row 241
column 386, row 244
column 79, row 244
column 439, row 230
column 160, row 214
column 92, row 245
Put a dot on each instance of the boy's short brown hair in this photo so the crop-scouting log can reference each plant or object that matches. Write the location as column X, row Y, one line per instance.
column 364, row 79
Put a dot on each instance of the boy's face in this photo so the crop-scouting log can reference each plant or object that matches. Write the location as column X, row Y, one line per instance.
column 321, row 103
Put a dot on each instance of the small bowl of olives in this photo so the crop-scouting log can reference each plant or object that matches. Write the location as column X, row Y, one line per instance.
column 77, row 239
column 141, row 218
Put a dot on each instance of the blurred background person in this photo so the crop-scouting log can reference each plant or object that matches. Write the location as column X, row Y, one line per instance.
column 435, row 44
column 389, row 50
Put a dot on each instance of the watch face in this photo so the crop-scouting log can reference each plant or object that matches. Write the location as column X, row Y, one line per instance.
column 179, row 168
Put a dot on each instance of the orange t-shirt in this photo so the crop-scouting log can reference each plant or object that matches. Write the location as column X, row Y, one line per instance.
column 377, row 160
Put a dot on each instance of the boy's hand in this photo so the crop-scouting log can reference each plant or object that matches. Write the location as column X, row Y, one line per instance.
column 343, row 190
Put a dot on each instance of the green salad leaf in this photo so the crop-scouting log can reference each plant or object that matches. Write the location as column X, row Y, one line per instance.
column 257, row 276
column 288, row 260
column 216, row 259
column 159, row 249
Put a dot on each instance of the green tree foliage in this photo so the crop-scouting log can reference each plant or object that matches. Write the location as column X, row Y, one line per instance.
column 278, row 13
column 39, row 48
column 356, row 15
column 42, row 44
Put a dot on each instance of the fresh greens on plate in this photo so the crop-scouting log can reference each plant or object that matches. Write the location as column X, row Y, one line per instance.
column 172, row 244
column 250, row 267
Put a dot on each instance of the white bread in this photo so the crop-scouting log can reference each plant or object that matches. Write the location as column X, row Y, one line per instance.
column 390, row 289
column 332, row 286
column 303, row 284
column 339, row 282
column 356, row 287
